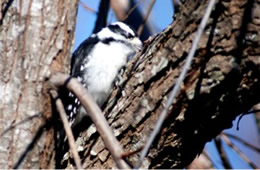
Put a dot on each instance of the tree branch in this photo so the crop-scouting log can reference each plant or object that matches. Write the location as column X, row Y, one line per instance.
column 221, row 84
column 141, row 27
column 222, row 154
column 87, row 7
column 67, row 129
column 242, row 141
column 94, row 112
column 12, row 126
column 179, row 81
column 243, row 156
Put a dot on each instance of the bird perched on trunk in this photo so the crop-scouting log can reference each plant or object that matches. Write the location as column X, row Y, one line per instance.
column 96, row 64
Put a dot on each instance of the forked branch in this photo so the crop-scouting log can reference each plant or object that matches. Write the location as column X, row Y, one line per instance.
column 94, row 112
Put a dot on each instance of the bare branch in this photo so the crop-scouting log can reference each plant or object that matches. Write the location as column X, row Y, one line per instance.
column 243, row 156
column 177, row 86
column 128, row 12
column 131, row 10
column 29, row 147
column 119, row 7
column 141, row 27
column 106, row 133
column 242, row 141
column 12, row 126
column 246, row 113
column 87, row 7
column 67, row 129
column 222, row 154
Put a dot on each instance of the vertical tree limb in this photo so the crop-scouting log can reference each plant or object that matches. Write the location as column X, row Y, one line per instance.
column 67, row 129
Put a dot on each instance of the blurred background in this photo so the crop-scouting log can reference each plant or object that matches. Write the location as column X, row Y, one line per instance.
column 237, row 147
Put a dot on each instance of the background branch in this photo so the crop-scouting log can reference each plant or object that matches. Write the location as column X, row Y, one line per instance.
column 222, row 154
column 84, row 5
column 242, row 141
column 128, row 12
column 141, row 27
column 243, row 156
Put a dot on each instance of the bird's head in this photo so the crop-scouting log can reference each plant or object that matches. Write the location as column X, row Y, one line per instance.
column 121, row 32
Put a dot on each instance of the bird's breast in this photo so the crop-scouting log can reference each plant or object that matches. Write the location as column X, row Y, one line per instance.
column 102, row 69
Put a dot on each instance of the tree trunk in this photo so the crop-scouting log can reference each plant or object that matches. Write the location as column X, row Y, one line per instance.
column 222, row 83
column 35, row 39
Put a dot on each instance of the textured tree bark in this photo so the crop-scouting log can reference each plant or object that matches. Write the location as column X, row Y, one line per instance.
column 222, row 83
column 35, row 39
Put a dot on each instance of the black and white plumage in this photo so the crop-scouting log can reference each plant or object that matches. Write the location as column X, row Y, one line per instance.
column 97, row 61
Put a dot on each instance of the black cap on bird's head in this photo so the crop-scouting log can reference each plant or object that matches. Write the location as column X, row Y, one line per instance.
column 121, row 32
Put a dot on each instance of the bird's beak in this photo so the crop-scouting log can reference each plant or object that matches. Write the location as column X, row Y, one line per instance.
column 138, row 45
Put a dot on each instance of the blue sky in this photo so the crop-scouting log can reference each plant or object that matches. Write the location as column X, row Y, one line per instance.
column 162, row 11
column 161, row 17
column 248, row 131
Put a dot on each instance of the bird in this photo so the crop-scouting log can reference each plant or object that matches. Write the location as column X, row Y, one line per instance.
column 96, row 64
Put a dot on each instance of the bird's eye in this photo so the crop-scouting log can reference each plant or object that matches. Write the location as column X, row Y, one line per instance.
column 130, row 36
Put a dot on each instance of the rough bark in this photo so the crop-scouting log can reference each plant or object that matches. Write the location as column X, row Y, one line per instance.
column 222, row 83
column 35, row 39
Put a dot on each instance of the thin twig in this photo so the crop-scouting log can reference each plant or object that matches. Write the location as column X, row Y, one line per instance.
column 222, row 154
column 243, row 156
column 87, row 7
column 176, row 88
column 245, row 113
column 132, row 9
column 30, row 146
column 253, row 111
column 67, row 129
column 120, row 8
column 244, row 142
column 19, row 123
column 94, row 112
column 141, row 28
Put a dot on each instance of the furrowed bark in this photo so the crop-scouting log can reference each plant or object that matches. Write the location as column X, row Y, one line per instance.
column 35, row 40
column 222, row 83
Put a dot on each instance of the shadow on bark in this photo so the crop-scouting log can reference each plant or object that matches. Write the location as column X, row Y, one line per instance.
column 207, row 115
